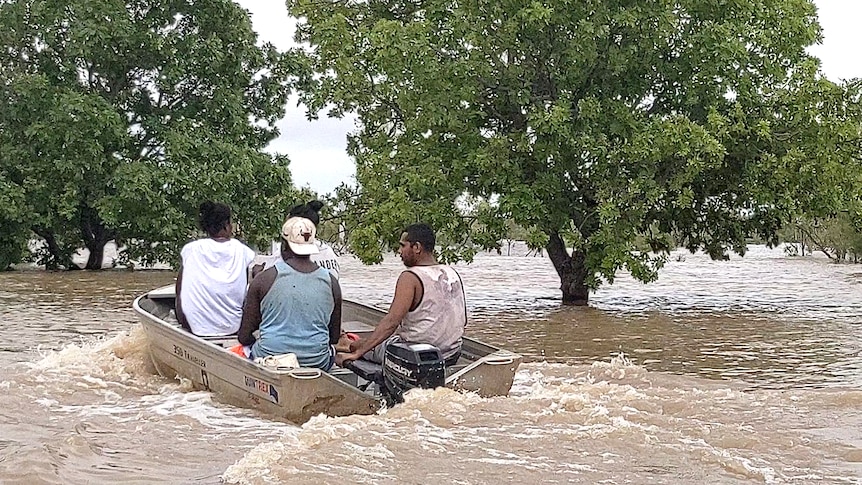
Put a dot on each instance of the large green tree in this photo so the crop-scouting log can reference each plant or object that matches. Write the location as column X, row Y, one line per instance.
column 120, row 117
column 593, row 123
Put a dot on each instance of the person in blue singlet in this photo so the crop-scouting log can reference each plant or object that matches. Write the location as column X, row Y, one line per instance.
column 295, row 304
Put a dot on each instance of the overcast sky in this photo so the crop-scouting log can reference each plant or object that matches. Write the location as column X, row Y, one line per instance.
column 317, row 149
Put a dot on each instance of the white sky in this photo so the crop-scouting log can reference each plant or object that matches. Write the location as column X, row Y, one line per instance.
column 317, row 149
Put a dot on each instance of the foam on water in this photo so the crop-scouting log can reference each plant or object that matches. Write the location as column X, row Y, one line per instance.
column 573, row 423
column 565, row 424
column 121, row 358
column 113, row 378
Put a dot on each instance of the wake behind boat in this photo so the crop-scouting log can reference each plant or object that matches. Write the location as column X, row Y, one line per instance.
column 297, row 394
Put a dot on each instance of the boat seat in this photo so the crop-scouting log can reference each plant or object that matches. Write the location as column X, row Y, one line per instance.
column 221, row 340
column 366, row 369
column 354, row 326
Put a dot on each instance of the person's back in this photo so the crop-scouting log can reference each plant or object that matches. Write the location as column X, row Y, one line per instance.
column 213, row 287
column 295, row 305
column 295, row 315
column 212, row 280
column 441, row 315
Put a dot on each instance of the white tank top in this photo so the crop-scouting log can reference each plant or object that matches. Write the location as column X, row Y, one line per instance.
column 441, row 315
column 213, row 286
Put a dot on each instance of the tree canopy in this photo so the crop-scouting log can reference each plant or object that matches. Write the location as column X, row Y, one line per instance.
column 591, row 123
column 121, row 117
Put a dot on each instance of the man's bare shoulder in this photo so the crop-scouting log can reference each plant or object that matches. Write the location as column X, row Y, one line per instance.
column 409, row 273
column 263, row 281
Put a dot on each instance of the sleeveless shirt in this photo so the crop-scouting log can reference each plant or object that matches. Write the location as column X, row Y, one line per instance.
column 213, row 286
column 295, row 315
column 441, row 315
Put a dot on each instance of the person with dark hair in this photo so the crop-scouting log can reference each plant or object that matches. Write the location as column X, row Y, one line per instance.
column 295, row 304
column 325, row 257
column 429, row 306
column 211, row 283
column 310, row 210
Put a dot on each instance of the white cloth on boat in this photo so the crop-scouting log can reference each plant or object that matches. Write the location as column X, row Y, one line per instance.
column 283, row 361
column 213, row 285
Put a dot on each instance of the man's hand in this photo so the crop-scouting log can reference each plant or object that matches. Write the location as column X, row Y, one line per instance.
column 341, row 358
column 343, row 344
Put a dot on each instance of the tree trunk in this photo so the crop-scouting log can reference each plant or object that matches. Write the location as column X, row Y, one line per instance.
column 58, row 258
column 572, row 271
column 97, row 256
column 802, row 238
column 95, row 237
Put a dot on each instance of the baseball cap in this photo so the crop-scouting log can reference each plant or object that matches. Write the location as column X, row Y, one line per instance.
column 299, row 233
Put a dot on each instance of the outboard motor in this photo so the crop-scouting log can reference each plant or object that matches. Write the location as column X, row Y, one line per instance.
column 407, row 366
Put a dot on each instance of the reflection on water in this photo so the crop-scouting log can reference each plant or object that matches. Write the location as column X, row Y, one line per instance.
column 744, row 371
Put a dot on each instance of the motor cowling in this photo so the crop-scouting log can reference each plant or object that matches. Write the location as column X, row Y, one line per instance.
column 407, row 366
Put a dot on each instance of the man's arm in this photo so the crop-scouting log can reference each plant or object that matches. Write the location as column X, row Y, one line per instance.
column 405, row 290
column 181, row 317
column 255, row 270
column 335, row 319
column 251, row 316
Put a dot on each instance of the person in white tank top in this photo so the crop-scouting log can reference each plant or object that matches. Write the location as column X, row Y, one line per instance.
column 211, row 282
column 428, row 307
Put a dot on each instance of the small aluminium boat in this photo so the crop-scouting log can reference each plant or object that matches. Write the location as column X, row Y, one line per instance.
column 297, row 394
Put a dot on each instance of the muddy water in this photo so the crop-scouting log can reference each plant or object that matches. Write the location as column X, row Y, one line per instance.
column 744, row 371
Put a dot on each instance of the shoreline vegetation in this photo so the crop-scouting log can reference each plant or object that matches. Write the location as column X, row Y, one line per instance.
column 508, row 248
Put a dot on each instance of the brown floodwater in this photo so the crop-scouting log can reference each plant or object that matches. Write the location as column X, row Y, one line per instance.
column 742, row 371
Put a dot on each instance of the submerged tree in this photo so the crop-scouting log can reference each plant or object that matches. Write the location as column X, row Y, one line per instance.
column 590, row 123
column 121, row 117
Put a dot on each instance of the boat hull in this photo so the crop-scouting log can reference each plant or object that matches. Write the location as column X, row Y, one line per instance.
column 296, row 394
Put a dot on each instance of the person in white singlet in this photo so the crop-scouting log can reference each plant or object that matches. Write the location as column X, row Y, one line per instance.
column 324, row 258
column 212, row 279
column 429, row 306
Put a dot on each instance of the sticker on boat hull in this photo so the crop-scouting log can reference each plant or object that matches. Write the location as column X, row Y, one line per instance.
column 185, row 354
column 262, row 386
